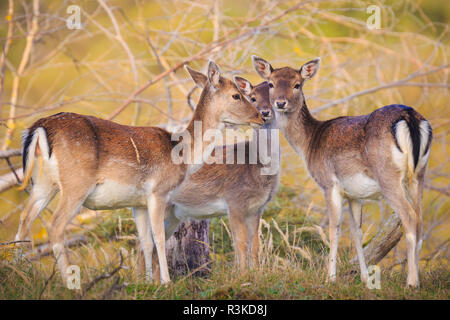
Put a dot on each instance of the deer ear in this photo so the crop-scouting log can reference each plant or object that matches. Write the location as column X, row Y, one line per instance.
column 309, row 69
column 243, row 85
column 261, row 66
column 199, row 78
column 213, row 74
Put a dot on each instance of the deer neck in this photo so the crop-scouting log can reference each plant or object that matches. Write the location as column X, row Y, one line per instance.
column 202, row 120
column 265, row 133
column 298, row 127
column 268, row 125
column 268, row 146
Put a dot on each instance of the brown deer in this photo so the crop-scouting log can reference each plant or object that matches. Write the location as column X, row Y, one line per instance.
column 384, row 153
column 240, row 190
column 100, row 164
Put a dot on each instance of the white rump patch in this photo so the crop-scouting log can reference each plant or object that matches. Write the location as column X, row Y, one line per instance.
column 424, row 136
column 403, row 137
column 42, row 142
column 48, row 174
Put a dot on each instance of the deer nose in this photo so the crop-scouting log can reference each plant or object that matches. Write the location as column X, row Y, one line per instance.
column 265, row 113
column 281, row 104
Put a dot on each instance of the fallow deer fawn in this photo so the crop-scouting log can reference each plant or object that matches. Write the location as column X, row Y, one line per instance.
column 100, row 164
column 239, row 190
column 356, row 158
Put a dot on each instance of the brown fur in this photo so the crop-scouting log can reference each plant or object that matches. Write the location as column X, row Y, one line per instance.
column 241, row 186
column 93, row 145
column 362, row 147
column 133, row 165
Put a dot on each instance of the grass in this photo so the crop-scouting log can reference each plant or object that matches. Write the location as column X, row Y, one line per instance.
column 288, row 280
column 285, row 271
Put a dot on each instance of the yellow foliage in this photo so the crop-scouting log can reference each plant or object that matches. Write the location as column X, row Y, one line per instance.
column 11, row 125
column 41, row 235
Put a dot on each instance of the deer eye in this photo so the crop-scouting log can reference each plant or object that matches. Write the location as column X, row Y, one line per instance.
column 297, row 86
column 253, row 99
column 270, row 85
column 236, row 96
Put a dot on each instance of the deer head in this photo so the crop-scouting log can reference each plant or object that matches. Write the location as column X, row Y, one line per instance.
column 258, row 96
column 230, row 107
column 286, row 84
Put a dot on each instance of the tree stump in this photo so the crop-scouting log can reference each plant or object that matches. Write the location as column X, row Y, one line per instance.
column 188, row 248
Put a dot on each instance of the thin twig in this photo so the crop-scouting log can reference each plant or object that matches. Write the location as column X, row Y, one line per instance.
column 190, row 101
column 48, row 280
column 10, row 18
column 380, row 87
column 13, row 170
column 13, row 242
column 16, row 80
column 221, row 43
column 103, row 276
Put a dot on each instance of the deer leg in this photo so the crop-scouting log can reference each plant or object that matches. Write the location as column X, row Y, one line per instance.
column 39, row 199
column 417, row 198
column 355, row 229
column 171, row 222
column 25, row 217
column 156, row 207
column 397, row 199
column 334, row 203
column 239, row 233
column 144, row 229
column 68, row 207
column 252, row 225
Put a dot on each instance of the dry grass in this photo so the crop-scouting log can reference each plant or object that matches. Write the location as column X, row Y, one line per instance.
column 276, row 279
column 293, row 260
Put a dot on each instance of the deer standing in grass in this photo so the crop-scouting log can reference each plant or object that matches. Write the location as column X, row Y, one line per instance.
column 101, row 165
column 240, row 190
column 384, row 153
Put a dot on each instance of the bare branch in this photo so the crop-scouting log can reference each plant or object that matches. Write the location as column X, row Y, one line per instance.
column 381, row 87
column 9, row 180
column 445, row 191
column 45, row 249
column 10, row 18
column 218, row 44
column 14, row 242
column 190, row 102
column 10, row 153
column 16, row 81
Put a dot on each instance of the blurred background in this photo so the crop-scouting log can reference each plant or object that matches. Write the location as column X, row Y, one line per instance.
column 124, row 59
